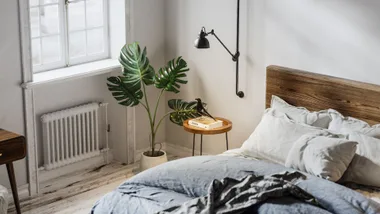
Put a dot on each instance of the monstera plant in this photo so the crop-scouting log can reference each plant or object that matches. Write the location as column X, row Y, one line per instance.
column 129, row 89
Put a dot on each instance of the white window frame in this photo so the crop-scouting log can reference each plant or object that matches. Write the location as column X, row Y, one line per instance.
column 64, row 38
column 120, row 31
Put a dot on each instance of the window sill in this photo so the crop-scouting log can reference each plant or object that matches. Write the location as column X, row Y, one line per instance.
column 74, row 72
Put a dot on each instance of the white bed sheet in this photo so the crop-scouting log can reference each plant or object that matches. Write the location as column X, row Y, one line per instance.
column 238, row 153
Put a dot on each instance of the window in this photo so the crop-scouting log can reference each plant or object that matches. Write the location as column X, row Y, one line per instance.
column 68, row 32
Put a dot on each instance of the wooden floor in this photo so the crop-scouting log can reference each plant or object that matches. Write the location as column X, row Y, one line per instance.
column 79, row 204
column 76, row 193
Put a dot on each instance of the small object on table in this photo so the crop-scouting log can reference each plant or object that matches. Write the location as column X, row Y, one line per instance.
column 12, row 148
column 227, row 126
column 201, row 109
column 206, row 123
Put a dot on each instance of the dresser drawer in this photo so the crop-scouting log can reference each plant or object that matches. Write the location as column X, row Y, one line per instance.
column 12, row 150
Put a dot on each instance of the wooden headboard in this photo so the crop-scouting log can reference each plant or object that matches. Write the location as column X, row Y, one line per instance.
column 317, row 92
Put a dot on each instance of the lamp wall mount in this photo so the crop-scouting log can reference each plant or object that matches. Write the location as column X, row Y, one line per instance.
column 203, row 43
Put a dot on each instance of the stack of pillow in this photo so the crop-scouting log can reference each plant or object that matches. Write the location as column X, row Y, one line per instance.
column 325, row 143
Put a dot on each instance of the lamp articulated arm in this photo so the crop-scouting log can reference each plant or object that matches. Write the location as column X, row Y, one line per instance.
column 203, row 43
column 234, row 56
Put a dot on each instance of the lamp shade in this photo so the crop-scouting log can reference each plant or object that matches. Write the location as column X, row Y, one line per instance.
column 202, row 42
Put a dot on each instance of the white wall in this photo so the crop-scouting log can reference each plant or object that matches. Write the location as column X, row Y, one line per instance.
column 148, row 30
column 338, row 38
column 11, row 101
column 55, row 97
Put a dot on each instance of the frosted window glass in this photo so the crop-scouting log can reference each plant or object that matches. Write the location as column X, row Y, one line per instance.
column 77, row 44
column 36, row 51
column 33, row 3
column 35, row 22
column 51, row 49
column 49, row 1
column 95, row 40
column 94, row 13
column 49, row 20
column 76, row 15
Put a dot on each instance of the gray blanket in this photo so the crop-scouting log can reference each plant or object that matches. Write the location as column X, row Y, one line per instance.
column 231, row 196
column 177, row 182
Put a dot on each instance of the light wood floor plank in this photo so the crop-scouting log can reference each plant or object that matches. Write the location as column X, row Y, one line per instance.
column 79, row 204
column 76, row 193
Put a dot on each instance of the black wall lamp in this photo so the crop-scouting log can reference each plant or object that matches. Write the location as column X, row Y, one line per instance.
column 203, row 43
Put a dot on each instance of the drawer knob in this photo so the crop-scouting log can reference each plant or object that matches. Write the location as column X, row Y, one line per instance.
column 1, row 154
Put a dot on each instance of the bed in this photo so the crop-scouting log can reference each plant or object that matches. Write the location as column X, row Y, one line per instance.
column 169, row 187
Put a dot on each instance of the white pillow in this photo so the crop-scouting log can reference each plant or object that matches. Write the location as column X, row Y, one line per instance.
column 274, row 136
column 365, row 166
column 301, row 114
column 322, row 154
column 373, row 131
column 339, row 122
column 347, row 125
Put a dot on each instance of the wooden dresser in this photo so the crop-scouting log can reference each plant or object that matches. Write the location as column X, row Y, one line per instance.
column 12, row 148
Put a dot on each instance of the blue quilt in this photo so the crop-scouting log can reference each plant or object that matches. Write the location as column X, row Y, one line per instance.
column 177, row 182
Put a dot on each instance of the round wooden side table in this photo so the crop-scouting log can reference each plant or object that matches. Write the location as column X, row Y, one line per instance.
column 227, row 126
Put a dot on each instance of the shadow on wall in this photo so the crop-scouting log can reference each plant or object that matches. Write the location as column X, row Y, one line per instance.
column 328, row 37
column 142, row 134
column 212, row 74
column 189, row 92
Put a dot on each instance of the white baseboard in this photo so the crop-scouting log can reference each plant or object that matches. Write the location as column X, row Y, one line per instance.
column 182, row 151
column 172, row 149
column 23, row 192
column 45, row 175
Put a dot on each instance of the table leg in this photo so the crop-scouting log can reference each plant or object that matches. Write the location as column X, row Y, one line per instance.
column 227, row 140
column 12, row 180
column 193, row 143
column 201, row 143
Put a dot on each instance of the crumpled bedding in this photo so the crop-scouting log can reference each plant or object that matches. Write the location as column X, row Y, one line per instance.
column 373, row 195
column 176, row 182
column 231, row 196
column 3, row 200
column 370, row 192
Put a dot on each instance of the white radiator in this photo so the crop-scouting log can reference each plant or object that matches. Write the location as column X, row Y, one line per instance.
column 70, row 135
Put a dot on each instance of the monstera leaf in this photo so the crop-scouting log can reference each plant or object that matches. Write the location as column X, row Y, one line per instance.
column 136, row 65
column 182, row 110
column 126, row 89
column 123, row 92
column 172, row 75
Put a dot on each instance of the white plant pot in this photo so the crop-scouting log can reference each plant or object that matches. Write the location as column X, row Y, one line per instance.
column 148, row 162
